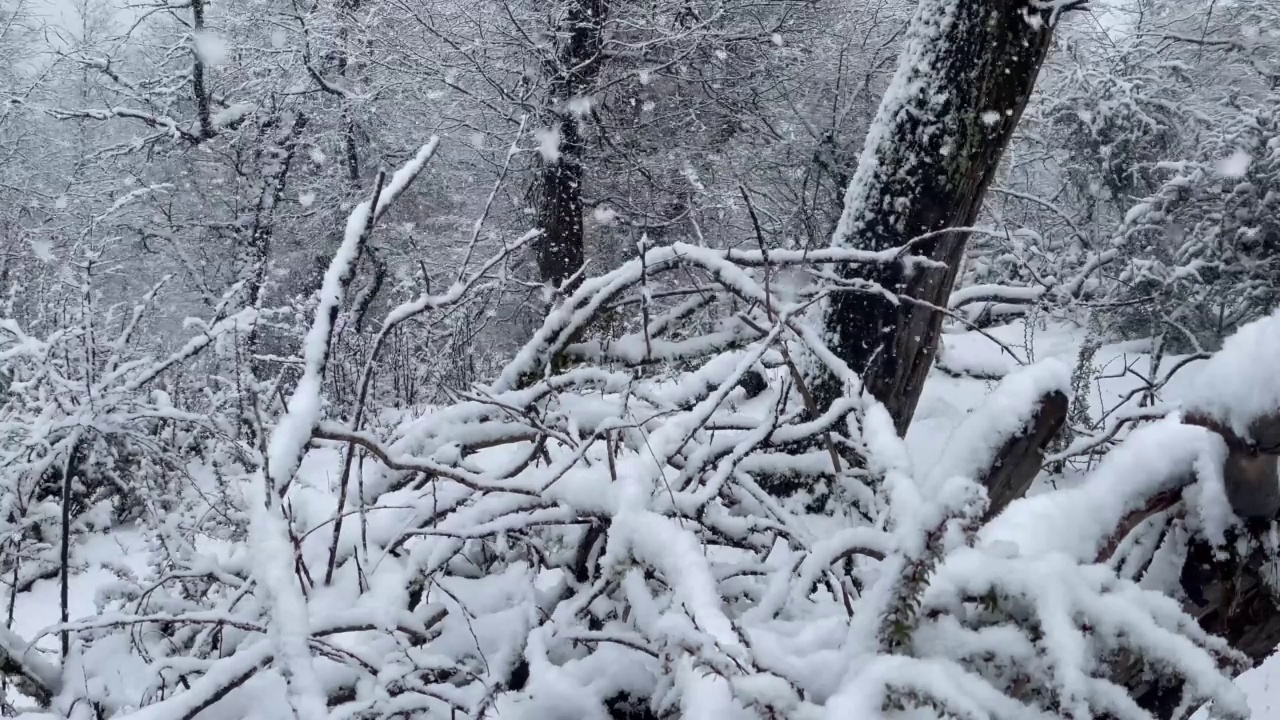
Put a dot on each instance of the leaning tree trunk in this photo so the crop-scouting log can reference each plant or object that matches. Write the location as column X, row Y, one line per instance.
column 962, row 83
column 961, row 86
column 574, row 67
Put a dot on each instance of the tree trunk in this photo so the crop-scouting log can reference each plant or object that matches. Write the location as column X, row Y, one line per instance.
column 962, row 83
column 280, row 144
column 1019, row 459
column 559, row 249
column 577, row 62
column 199, row 89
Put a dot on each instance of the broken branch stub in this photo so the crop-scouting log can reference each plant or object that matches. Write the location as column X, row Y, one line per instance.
column 1020, row 458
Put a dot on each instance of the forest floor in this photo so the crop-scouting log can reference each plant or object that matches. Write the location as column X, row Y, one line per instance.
column 100, row 559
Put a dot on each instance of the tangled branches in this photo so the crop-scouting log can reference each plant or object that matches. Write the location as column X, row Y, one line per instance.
column 643, row 515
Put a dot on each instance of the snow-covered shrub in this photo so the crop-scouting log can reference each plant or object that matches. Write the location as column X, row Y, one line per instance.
column 594, row 534
column 1206, row 245
column 1142, row 181
column 89, row 434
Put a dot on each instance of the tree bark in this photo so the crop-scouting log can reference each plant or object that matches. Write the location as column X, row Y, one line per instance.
column 962, row 83
column 1019, row 460
column 199, row 90
column 559, row 250
column 280, row 144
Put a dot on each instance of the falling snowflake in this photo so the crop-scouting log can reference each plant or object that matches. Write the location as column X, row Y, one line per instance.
column 1236, row 165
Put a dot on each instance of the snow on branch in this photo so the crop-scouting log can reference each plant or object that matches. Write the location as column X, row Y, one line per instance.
column 619, row 524
column 984, row 446
column 1206, row 455
column 294, row 430
column 1235, row 387
column 1077, row 521
column 35, row 677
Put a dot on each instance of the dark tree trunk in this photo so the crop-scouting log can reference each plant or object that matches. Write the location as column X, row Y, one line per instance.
column 962, row 83
column 280, row 144
column 1018, row 461
column 559, row 250
column 576, row 64
column 199, row 90
column 349, row 128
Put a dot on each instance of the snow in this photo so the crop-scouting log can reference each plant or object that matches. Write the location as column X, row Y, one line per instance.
column 679, row 556
column 548, row 144
column 232, row 114
column 209, row 687
column 911, row 93
column 580, row 107
column 289, row 630
column 970, row 293
column 1261, row 686
column 210, row 47
column 1062, row 594
column 1077, row 521
column 603, row 215
column 609, row 514
column 16, row 650
column 1005, row 413
column 706, row 593
column 294, row 429
column 1235, row 165
column 269, row 534
column 1235, row 386
column 43, row 249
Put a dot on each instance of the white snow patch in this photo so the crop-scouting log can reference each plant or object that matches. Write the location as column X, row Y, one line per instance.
column 604, row 215
column 1261, row 686
column 231, row 115
column 43, row 248
column 306, row 199
column 1238, row 385
column 548, row 144
column 210, row 47
column 1236, row 165
column 580, row 107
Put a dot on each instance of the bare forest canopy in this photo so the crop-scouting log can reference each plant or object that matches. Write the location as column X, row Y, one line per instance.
column 707, row 359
